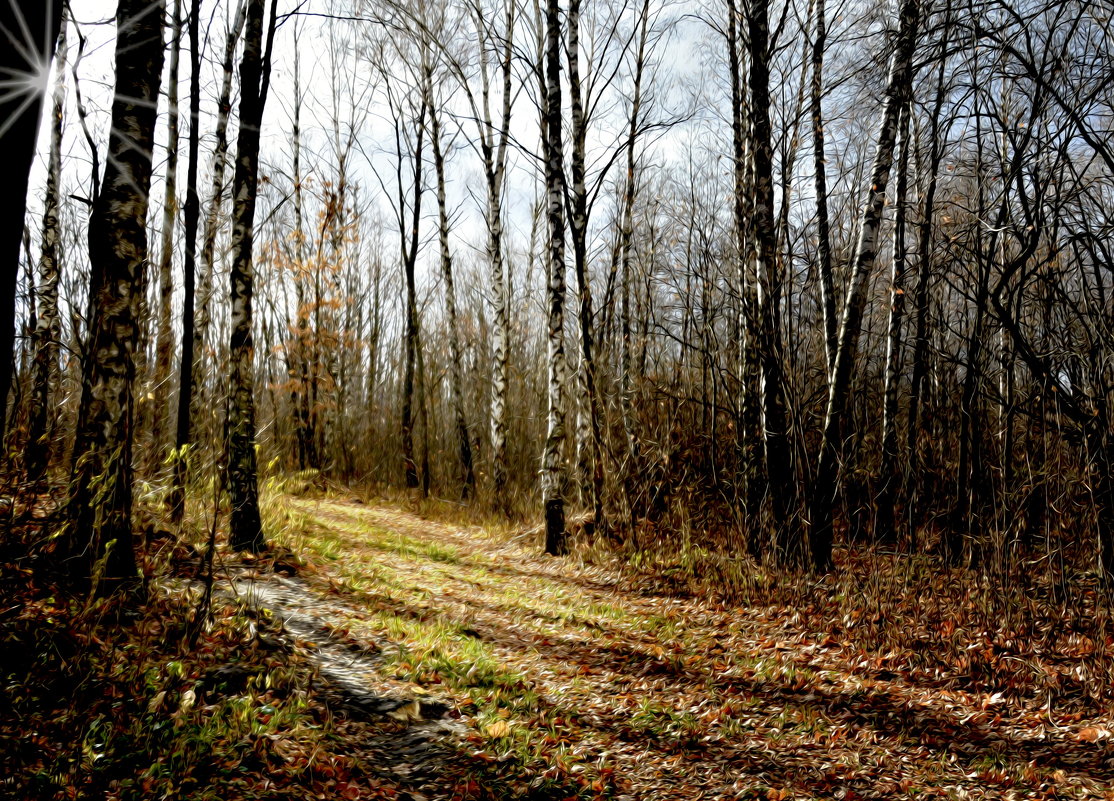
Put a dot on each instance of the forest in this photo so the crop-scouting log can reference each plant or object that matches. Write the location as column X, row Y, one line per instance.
column 557, row 399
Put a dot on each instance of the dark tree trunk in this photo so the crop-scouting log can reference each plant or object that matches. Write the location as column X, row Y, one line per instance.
column 192, row 221
column 464, row 441
column 589, row 443
column 778, row 447
column 412, row 338
column 921, row 297
column 820, row 170
column 246, row 529
column 101, row 499
column 19, row 130
column 553, row 152
column 300, row 386
column 626, row 267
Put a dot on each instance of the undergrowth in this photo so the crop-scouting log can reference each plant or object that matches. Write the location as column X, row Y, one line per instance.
column 1022, row 634
column 132, row 697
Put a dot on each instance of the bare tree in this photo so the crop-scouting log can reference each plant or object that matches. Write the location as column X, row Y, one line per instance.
column 48, row 330
column 464, row 443
column 626, row 266
column 219, row 168
column 246, row 529
column 588, row 440
column 922, row 295
column 100, row 539
column 897, row 89
column 164, row 339
column 30, row 31
column 553, row 157
column 884, row 530
column 183, row 429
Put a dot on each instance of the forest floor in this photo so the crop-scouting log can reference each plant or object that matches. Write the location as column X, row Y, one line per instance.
column 386, row 650
column 561, row 678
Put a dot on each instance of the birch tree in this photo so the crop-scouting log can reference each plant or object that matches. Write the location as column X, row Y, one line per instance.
column 898, row 86
column 48, row 330
column 199, row 411
column 100, row 539
column 553, row 157
column 749, row 431
column 495, row 49
column 884, row 530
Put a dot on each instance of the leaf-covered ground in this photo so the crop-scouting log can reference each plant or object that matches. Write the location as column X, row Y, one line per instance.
column 376, row 653
column 572, row 677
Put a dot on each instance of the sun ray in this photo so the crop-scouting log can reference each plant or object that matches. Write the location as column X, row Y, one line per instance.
column 24, row 85
column 13, row 118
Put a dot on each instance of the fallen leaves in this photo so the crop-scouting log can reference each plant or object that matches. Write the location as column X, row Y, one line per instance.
column 876, row 684
column 1092, row 734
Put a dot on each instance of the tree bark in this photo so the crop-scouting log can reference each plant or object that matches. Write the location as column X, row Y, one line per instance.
column 164, row 341
column 44, row 368
column 183, row 430
column 839, row 385
column 553, row 155
column 889, row 475
column 775, row 422
column 246, row 529
column 101, row 494
column 20, row 112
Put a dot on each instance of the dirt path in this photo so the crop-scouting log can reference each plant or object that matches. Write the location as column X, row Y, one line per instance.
column 545, row 678
column 414, row 752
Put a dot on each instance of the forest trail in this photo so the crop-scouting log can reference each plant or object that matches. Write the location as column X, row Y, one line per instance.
column 552, row 679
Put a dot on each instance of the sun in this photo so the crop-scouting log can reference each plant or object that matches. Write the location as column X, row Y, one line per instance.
column 29, row 34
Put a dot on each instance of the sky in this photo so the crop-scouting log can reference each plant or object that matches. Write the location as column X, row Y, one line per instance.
column 685, row 65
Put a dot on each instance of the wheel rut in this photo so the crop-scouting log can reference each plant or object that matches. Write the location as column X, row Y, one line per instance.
column 414, row 738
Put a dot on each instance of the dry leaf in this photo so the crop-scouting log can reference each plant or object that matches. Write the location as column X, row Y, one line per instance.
column 407, row 712
column 1092, row 734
